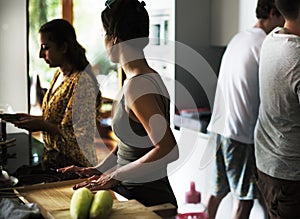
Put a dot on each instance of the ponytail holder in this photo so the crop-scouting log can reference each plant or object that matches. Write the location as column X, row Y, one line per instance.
column 108, row 3
column 143, row 3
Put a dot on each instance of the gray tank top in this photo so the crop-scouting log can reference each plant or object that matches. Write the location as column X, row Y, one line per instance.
column 134, row 141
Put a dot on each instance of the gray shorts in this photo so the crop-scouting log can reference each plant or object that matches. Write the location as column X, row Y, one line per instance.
column 235, row 170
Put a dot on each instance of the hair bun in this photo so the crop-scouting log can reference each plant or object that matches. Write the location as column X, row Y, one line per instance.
column 143, row 3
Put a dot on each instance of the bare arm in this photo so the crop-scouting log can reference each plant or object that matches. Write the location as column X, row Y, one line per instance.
column 35, row 123
column 108, row 163
column 165, row 149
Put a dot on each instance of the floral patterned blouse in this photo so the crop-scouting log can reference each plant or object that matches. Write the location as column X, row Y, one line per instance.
column 75, row 107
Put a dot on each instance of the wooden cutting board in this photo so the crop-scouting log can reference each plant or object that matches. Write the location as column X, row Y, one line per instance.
column 54, row 201
column 131, row 209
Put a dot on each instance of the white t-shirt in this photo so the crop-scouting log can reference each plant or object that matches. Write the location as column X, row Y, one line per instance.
column 277, row 133
column 236, row 101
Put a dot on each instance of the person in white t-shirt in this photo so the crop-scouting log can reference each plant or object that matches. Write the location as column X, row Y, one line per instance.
column 277, row 132
column 235, row 113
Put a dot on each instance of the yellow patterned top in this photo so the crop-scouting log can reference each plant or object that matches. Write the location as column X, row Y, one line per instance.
column 75, row 107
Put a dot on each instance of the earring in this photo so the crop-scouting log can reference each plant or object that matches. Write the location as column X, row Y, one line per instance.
column 115, row 41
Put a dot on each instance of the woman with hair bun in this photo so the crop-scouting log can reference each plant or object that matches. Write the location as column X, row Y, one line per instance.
column 137, row 167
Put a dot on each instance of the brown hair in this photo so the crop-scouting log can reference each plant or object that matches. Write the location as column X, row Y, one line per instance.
column 264, row 7
column 289, row 8
column 61, row 31
column 126, row 19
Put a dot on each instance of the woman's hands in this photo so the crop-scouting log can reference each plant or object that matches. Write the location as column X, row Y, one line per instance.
column 35, row 124
column 97, row 179
column 29, row 122
column 81, row 171
column 96, row 182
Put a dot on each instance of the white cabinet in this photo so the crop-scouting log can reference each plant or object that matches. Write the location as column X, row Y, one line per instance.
column 160, row 52
column 13, row 59
column 229, row 17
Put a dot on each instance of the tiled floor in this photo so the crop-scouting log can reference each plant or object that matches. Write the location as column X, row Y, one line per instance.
column 197, row 167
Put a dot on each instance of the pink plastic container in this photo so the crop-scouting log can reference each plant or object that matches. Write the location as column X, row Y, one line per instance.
column 192, row 208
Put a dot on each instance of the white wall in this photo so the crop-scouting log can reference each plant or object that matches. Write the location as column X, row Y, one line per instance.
column 229, row 17
column 13, row 59
column 193, row 29
column 225, row 22
column 247, row 15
